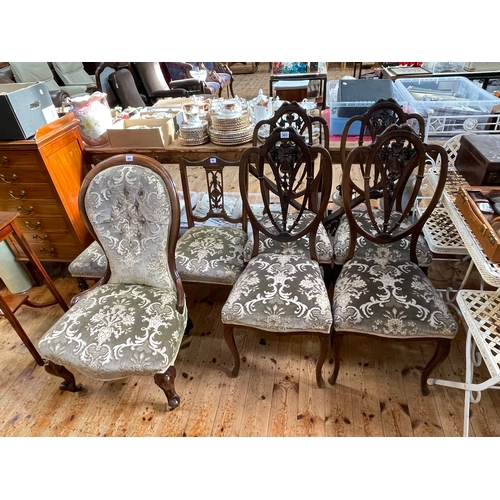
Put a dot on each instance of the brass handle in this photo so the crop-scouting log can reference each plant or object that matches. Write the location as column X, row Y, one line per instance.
column 31, row 226
column 48, row 252
column 24, row 211
column 11, row 194
column 5, row 160
column 38, row 237
column 14, row 177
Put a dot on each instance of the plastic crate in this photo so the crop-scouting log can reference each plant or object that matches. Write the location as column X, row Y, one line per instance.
column 337, row 122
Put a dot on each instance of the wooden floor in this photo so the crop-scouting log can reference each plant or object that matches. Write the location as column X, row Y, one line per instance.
column 377, row 391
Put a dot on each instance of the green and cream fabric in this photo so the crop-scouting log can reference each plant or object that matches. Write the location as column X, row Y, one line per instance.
column 386, row 295
column 280, row 293
column 301, row 246
column 91, row 263
column 129, row 325
column 342, row 238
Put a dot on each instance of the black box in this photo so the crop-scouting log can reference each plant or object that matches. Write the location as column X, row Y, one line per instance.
column 24, row 107
column 362, row 90
column 478, row 159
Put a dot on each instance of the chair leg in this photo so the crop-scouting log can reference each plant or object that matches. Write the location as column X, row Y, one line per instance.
column 231, row 88
column 323, row 352
column 166, row 382
column 469, row 374
column 69, row 383
column 189, row 326
column 335, row 344
column 440, row 354
column 229, row 338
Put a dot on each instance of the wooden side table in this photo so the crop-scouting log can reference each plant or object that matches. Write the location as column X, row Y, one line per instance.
column 10, row 303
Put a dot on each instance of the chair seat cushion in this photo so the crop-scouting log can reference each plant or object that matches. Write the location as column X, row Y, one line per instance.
column 91, row 263
column 301, row 246
column 389, row 298
column 401, row 248
column 280, row 293
column 210, row 254
column 117, row 330
column 213, row 87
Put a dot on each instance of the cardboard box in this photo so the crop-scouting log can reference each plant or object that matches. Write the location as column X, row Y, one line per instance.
column 482, row 225
column 154, row 133
column 24, row 107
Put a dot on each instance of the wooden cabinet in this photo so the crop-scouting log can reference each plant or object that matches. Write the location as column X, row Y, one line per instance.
column 41, row 178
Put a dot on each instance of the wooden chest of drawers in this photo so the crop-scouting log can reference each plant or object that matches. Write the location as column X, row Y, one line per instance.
column 41, row 178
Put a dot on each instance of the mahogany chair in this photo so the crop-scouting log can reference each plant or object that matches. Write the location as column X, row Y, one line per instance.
column 283, row 291
column 381, row 289
column 133, row 321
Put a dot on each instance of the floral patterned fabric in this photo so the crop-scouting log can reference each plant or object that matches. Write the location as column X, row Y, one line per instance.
column 211, row 254
column 389, row 297
column 131, row 324
column 342, row 239
column 280, row 293
column 268, row 245
column 91, row 263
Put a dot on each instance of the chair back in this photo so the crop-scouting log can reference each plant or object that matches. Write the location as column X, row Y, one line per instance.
column 295, row 116
column 215, row 205
column 382, row 114
column 285, row 166
column 73, row 73
column 178, row 70
column 123, row 85
column 130, row 205
column 384, row 180
column 102, row 74
column 151, row 76
column 26, row 72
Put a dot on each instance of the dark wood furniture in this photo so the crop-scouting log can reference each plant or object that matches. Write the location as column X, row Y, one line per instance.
column 322, row 77
column 40, row 178
column 10, row 303
column 478, row 159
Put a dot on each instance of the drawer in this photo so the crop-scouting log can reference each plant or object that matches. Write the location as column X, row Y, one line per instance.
column 17, row 175
column 26, row 192
column 42, row 224
column 19, row 159
column 48, row 251
column 33, row 208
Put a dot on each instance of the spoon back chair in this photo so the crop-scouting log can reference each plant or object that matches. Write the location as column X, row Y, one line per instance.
column 381, row 290
column 131, row 323
column 283, row 292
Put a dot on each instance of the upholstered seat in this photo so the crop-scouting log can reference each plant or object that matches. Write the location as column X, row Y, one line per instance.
column 133, row 322
column 341, row 239
column 90, row 264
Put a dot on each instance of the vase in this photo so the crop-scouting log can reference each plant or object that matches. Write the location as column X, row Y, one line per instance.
column 94, row 117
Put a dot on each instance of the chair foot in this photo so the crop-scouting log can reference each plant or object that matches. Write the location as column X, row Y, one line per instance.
column 229, row 338
column 189, row 326
column 440, row 354
column 166, row 382
column 335, row 344
column 69, row 383
column 323, row 352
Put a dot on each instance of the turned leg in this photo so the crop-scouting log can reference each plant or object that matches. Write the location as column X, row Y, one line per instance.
column 166, row 382
column 69, row 383
column 336, row 344
column 323, row 352
column 440, row 354
column 229, row 338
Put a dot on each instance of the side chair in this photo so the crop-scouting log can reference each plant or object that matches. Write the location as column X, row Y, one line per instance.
column 381, row 290
column 283, row 291
column 132, row 322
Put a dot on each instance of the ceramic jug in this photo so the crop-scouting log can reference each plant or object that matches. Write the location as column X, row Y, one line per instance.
column 94, row 116
column 260, row 108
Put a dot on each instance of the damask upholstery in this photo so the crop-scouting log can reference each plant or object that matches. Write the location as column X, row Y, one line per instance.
column 211, row 253
column 133, row 323
column 90, row 264
column 283, row 292
column 381, row 290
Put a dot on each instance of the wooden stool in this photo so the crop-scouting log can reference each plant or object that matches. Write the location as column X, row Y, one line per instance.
column 10, row 303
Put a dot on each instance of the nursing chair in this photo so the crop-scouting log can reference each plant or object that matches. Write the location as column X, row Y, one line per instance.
column 211, row 249
column 133, row 322
column 381, row 290
column 73, row 73
column 283, row 292
column 28, row 72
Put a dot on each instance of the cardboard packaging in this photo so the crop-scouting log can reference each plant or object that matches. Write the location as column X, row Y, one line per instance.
column 484, row 226
column 24, row 107
column 154, row 133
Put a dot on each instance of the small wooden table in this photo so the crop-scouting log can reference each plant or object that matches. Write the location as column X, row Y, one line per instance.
column 10, row 303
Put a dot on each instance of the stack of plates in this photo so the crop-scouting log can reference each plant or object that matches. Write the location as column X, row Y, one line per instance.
column 231, row 138
column 193, row 134
column 230, row 124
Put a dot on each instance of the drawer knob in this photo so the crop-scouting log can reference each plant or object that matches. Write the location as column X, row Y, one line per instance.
column 29, row 225
column 24, row 211
column 2, row 177
column 5, row 160
column 11, row 194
